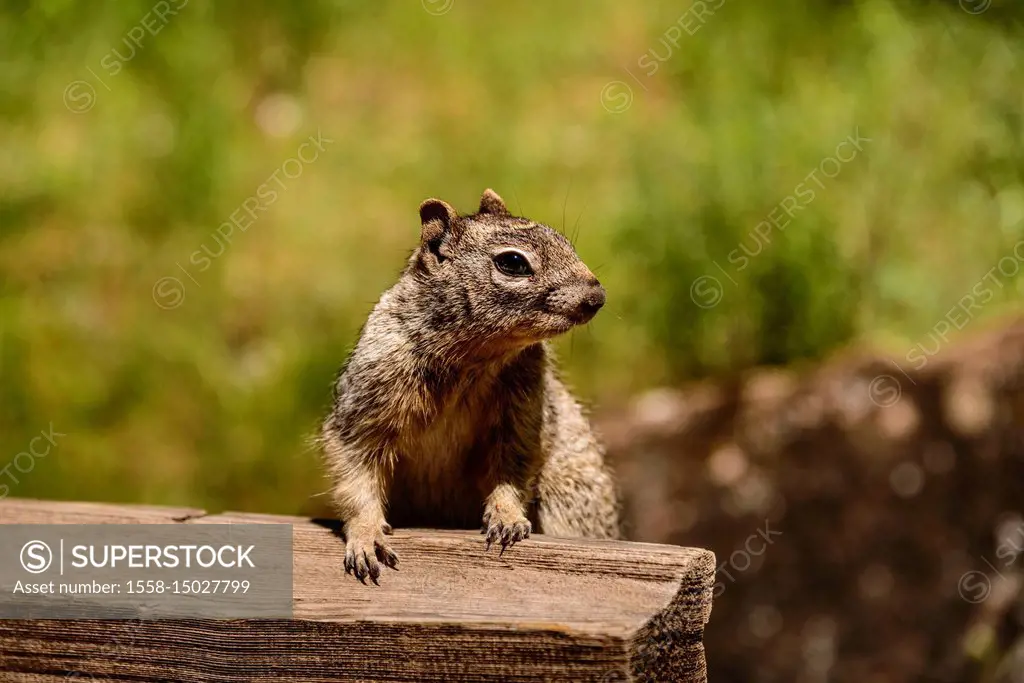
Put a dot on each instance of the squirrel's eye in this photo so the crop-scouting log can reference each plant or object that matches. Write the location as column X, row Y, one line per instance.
column 513, row 263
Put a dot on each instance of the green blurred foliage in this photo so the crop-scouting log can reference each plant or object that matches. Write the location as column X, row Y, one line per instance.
column 211, row 402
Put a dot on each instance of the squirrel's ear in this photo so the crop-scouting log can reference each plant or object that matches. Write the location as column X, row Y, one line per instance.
column 491, row 203
column 437, row 218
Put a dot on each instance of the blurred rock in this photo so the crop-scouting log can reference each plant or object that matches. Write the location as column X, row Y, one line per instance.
column 868, row 522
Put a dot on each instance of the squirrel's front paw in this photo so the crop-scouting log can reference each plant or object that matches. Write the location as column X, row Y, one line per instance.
column 509, row 528
column 366, row 550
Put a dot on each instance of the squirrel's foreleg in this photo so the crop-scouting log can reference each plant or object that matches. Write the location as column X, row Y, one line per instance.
column 360, row 481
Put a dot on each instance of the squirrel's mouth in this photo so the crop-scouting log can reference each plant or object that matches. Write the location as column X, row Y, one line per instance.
column 563, row 323
column 557, row 323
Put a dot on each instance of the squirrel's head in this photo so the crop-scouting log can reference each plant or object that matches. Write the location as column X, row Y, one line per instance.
column 499, row 277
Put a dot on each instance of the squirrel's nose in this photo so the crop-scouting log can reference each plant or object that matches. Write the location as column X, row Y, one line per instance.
column 592, row 302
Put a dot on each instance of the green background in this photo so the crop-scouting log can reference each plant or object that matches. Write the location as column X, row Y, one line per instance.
column 212, row 402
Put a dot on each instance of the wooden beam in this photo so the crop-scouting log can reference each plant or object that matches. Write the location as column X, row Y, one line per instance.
column 547, row 610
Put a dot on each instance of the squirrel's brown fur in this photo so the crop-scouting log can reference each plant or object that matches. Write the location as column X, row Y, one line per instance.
column 449, row 410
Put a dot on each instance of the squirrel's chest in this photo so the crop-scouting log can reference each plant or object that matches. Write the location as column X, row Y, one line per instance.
column 440, row 467
column 445, row 444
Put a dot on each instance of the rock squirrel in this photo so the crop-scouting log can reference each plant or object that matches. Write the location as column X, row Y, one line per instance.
column 449, row 410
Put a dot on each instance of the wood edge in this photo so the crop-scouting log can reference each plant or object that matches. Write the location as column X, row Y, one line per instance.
column 670, row 646
column 84, row 650
column 657, row 553
column 171, row 512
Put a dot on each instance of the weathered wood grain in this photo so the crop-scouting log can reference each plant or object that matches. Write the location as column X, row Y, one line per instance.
column 24, row 511
column 548, row 610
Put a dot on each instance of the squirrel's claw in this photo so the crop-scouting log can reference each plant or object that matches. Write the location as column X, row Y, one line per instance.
column 493, row 534
column 508, row 534
column 386, row 555
column 363, row 565
column 366, row 552
column 373, row 567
